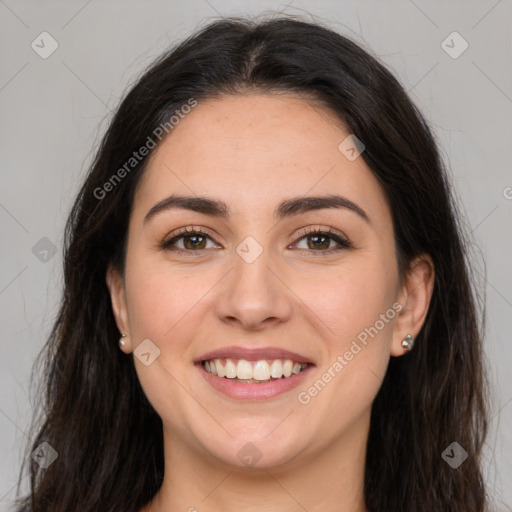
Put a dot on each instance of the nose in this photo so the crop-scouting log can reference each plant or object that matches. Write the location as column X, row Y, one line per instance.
column 254, row 294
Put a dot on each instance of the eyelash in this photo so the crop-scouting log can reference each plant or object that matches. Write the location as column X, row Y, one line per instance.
column 329, row 233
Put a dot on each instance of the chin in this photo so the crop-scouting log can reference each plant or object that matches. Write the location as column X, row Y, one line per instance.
column 253, row 452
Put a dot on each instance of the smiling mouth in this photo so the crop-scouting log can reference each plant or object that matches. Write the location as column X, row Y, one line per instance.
column 249, row 372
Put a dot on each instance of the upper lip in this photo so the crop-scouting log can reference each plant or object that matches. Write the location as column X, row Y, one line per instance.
column 253, row 354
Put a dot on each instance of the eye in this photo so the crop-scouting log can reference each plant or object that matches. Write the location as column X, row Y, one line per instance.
column 194, row 240
column 319, row 241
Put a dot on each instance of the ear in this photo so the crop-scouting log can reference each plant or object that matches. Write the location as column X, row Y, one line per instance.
column 414, row 296
column 115, row 285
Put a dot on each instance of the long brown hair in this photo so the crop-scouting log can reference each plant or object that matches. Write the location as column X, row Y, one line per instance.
column 93, row 411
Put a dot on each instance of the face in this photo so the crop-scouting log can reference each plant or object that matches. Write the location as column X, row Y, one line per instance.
column 268, row 273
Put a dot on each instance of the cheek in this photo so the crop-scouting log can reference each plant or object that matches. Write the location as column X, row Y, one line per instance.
column 358, row 309
column 164, row 304
column 355, row 314
column 350, row 299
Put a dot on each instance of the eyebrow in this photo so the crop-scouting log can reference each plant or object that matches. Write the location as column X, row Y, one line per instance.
column 286, row 209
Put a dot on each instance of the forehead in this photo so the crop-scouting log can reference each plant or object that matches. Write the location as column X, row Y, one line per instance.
column 253, row 151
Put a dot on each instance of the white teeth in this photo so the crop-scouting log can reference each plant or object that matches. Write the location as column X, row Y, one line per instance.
column 296, row 368
column 230, row 369
column 276, row 369
column 221, row 372
column 287, row 368
column 256, row 370
column 244, row 369
column 261, row 370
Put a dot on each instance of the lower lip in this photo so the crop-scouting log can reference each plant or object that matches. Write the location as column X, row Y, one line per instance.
column 262, row 391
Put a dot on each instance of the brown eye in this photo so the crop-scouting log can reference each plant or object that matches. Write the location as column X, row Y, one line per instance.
column 194, row 241
column 320, row 242
column 187, row 241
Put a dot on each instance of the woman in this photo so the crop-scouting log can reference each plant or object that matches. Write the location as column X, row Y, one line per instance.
column 269, row 232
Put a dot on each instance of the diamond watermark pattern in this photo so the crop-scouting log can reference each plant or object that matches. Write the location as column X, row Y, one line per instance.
column 454, row 455
column 249, row 249
column 249, row 455
column 454, row 45
column 44, row 455
column 44, row 250
column 44, row 45
column 351, row 147
column 146, row 352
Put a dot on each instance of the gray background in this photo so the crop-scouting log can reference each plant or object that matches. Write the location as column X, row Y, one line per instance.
column 55, row 109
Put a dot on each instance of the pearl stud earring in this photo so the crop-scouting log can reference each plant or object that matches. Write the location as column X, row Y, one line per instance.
column 408, row 343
